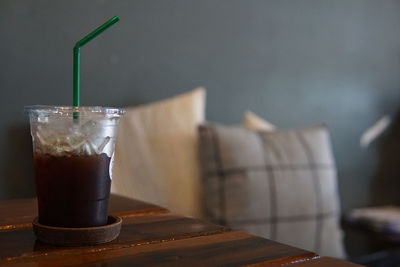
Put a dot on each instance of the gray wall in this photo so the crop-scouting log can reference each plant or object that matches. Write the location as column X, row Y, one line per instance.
column 296, row 63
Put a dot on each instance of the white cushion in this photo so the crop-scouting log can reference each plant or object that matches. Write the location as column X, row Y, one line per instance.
column 254, row 122
column 156, row 153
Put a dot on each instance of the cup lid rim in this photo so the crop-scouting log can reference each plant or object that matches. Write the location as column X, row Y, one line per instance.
column 70, row 110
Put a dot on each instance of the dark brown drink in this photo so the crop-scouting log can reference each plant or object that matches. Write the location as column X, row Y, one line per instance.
column 72, row 190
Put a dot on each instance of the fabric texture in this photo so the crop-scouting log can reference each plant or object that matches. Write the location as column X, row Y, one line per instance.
column 156, row 157
column 254, row 122
column 280, row 185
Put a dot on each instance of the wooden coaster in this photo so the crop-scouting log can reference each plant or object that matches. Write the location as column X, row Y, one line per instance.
column 62, row 236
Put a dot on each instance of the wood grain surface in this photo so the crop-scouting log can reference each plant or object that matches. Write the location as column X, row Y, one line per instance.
column 150, row 235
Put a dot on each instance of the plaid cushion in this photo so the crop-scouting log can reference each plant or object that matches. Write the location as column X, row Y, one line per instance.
column 280, row 185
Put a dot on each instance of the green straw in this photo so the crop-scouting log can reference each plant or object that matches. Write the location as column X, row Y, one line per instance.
column 77, row 55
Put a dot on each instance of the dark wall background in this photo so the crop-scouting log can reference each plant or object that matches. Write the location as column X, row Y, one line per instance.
column 296, row 63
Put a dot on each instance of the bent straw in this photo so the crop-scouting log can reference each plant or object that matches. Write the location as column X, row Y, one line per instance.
column 77, row 54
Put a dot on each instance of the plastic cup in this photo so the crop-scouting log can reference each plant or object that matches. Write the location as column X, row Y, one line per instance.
column 73, row 161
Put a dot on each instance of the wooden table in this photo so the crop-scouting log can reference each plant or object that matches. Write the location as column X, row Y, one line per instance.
column 150, row 235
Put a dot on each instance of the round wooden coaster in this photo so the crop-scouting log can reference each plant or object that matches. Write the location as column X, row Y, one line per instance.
column 62, row 236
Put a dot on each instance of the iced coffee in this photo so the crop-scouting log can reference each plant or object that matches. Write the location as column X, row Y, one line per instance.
column 73, row 162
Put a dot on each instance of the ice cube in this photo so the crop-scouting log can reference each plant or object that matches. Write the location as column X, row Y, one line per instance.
column 74, row 139
column 86, row 149
column 88, row 128
column 103, row 144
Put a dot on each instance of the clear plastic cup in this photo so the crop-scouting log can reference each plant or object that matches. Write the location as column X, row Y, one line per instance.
column 73, row 158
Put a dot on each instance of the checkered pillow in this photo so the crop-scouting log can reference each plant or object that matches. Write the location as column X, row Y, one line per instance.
column 280, row 185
